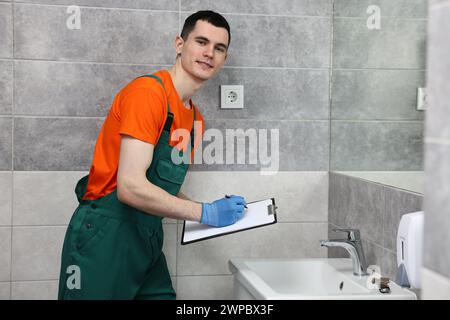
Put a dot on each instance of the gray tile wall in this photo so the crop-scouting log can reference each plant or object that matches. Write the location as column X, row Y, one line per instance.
column 6, row 30
column 375, row 74
column 376, row 211
column 437, row 169
column 57, row 85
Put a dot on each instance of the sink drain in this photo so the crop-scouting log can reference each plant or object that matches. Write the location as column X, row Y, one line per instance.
column 341, row 285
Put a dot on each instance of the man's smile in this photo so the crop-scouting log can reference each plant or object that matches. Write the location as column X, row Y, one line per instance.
column 204, row 64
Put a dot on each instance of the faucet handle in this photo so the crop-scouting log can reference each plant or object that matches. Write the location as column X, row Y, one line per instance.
column 352, row 234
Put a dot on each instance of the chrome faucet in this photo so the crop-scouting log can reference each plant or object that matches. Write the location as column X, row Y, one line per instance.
column 354, row 246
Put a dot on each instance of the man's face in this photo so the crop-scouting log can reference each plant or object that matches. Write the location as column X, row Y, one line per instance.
column 205, row 50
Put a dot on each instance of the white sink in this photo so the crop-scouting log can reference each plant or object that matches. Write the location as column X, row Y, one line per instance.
column 302, row 279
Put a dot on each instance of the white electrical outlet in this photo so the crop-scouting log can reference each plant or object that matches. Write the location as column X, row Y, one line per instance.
column 421, row 99
column 232, row 97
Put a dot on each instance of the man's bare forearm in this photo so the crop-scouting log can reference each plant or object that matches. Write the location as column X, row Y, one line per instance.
column 152, row 199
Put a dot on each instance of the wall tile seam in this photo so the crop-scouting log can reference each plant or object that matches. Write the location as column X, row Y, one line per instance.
column 394, row 189
column 266, row 120
column 37, row 226
column 180, row 11
column 382, row 18
column 206, row 275
column 383, row 216
column 377, row 120
column 43, row 280
column 86, row 172
column 330, row 91
column 57, row 225
column 379, row 69
column 51, row 171
column 87, row 62
column 23, row 4
column 179, row 17
column 343, row 175
column 16, row 226
column 327, row 17
column 11, row 255
column 373, row 243
column 221, row 170
column 302, row 222
column 437, row 141
column 253, row 171
column 131, row 64
column 31, row 281
column 21, row 116
column 24, row 226
column 390, row 251
column 290, row 222
column 276, row 68
column 224, row 169
column 31, row 116
column 13, row 109
column 126, row 64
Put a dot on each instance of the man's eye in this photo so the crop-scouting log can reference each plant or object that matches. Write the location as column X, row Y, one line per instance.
column 201, row 42
column 220, row 49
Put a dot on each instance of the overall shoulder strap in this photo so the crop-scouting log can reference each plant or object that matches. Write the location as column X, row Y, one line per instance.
column 169, row 118
column 193, row 129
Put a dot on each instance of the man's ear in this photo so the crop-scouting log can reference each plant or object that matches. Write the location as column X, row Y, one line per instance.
column 179, row 45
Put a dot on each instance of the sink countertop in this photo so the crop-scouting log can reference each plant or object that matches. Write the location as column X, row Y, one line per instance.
column 302, row 279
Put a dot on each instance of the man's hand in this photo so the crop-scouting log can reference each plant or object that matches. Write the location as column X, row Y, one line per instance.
column 223, row 212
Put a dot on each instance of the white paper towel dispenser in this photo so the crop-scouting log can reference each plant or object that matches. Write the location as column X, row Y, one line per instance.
column 409, row 249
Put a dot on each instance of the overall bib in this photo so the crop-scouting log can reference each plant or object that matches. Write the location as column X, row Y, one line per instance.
column 114, row 251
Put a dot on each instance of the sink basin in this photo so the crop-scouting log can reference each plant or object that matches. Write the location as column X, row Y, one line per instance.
column 305, row 279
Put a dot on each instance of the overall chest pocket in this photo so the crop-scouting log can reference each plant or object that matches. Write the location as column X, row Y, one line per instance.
column 169, row 176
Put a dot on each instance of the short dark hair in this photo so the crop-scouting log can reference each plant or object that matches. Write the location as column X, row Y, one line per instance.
column 212, row 17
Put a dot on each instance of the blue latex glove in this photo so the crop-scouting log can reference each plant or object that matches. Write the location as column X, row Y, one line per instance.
column 223, row 212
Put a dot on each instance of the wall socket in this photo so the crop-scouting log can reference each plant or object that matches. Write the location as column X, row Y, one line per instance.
column 232, row 97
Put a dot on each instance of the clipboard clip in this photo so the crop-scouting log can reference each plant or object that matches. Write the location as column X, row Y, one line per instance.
column 271, row 208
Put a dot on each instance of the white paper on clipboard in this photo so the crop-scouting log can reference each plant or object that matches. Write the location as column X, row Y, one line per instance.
column 258, row 214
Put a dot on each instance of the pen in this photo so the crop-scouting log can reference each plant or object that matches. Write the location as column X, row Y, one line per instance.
column 227, row 196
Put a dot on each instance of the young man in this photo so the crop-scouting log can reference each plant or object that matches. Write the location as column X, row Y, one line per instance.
column 113, row 244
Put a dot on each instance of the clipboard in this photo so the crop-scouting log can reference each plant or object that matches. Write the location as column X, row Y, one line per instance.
column 259, row 214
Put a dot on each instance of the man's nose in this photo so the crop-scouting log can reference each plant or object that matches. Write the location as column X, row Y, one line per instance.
column 209, row 51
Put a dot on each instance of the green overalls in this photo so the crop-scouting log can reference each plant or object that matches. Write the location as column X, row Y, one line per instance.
column 114, row 251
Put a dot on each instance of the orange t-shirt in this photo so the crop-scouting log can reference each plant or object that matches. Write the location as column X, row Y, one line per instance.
column 139, row 110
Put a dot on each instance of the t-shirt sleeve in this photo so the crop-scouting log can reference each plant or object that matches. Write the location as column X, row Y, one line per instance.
column 142, row 115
